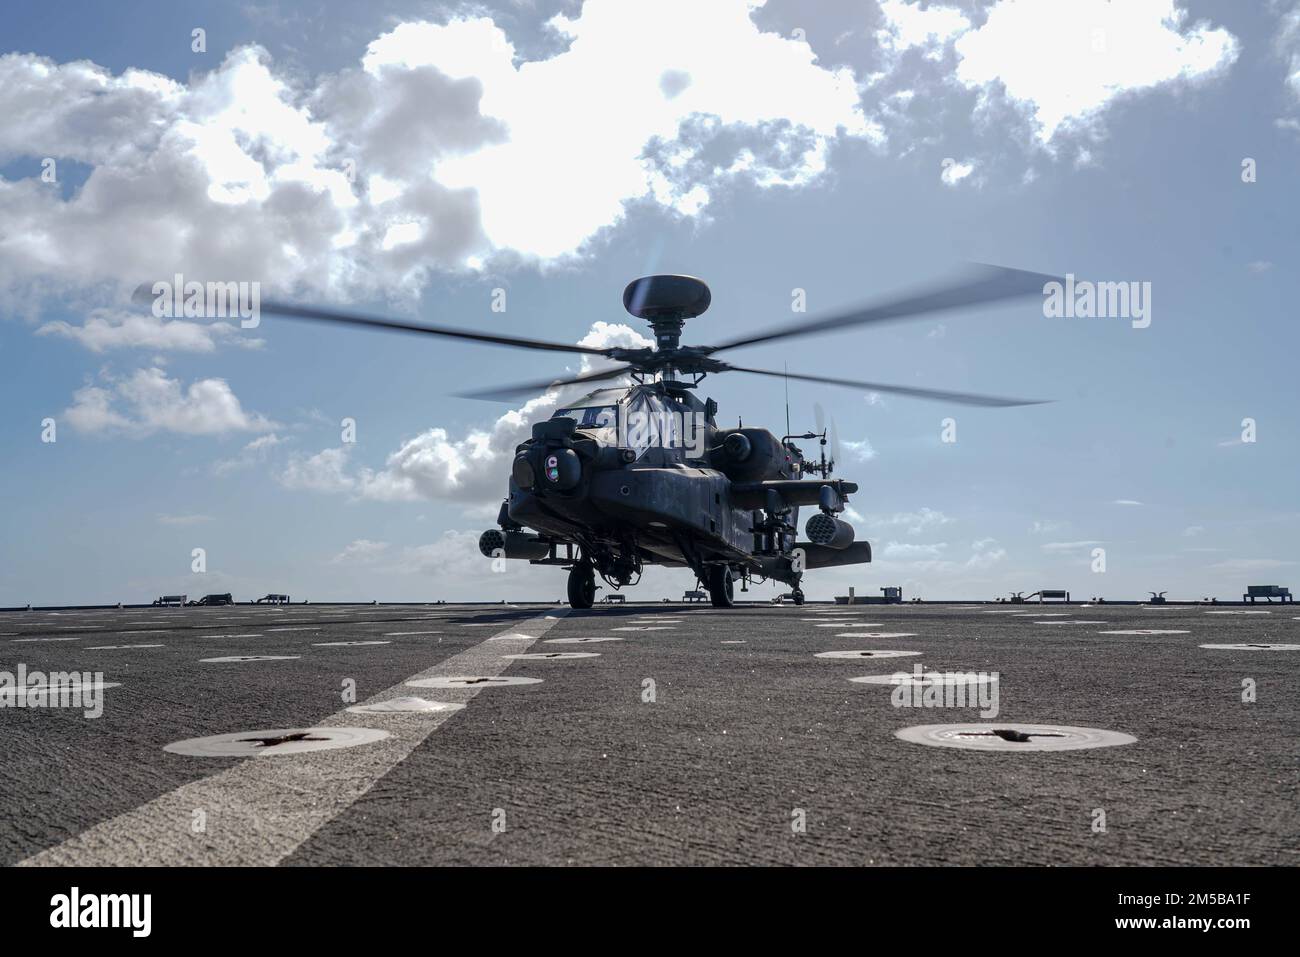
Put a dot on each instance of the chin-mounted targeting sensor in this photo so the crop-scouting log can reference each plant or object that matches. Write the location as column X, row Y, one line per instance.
column 550, row 464
column 561, row 469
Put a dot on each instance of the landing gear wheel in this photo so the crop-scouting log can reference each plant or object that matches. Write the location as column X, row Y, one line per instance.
column 582, row 586
column 722, row 590
column 797, row 596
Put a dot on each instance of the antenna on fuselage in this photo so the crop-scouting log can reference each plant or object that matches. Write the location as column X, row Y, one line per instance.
column 786, row 367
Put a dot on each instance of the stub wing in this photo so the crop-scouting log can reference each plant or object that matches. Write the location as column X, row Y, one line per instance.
column 823, row 556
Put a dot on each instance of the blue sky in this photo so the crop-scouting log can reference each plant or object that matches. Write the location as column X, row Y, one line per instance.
column 557, row 151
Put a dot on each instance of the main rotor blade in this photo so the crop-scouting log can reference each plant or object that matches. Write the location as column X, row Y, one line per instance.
column 317, row 314
column 543, row 385
column 962, row 398
column 989, row 284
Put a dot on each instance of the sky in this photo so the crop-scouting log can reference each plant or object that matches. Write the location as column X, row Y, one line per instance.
column 511, row 166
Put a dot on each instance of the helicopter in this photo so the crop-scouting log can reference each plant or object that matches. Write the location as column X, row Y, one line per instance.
column 642, row 474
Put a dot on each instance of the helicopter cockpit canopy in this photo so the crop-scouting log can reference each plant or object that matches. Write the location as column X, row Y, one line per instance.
column 591, row 416
column 597, row 414
column 640, row 418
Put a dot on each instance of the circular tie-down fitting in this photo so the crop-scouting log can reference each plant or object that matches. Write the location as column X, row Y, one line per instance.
column 551, row 655
column 1255, row 646
column 859, row 655
column 579, row 641
column 275, row 741
column 405, row 705
column 242, row 658
column 876, row 634
column 928, row 679
column 1004, row 736
column 473, row 681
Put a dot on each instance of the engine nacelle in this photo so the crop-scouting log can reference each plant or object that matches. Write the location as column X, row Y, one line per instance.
column 823, row 529
column 737, row 447
column 496, row 542
column 750, row 455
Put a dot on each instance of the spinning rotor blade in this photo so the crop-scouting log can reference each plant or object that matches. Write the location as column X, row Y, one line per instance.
column 962, row 398
column 317, row 314
column 544, row 385
column 144, row 295
column 989, row 284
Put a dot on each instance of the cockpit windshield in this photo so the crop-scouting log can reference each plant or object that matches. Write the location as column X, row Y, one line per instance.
column 592, row 417
column 640, row 419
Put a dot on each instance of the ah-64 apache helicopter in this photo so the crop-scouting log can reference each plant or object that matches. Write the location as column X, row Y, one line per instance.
column 644, row 475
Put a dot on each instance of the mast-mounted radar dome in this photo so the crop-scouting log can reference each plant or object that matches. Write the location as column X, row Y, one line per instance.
column 666, row 302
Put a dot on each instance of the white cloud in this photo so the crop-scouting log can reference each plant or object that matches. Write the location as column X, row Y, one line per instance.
column 360, row 552
column 106, row 329
column 931, row 559
column 649, row 141
column 183, row 519
column 915, row 522
column 907, row 551
column 862, row 451
column 1068, row 546
column 252, row 453
column 455, row 554
column 1191, row 531
column 1047, row 527
column 953, row 173
column 1288, row 46
column 985, row 553
column 1087, row 53
column 148, row 401
column 1063, row 64
column 435, row 151
column 1125, row 501
column 909, row 26
column 439, row 149
column 326, row 471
